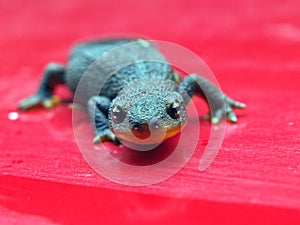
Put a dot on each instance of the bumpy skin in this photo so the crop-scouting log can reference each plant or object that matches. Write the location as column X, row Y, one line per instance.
column 141, row 99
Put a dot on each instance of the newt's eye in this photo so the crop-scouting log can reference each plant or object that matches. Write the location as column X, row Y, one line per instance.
column 117, row 114
column 174, row 109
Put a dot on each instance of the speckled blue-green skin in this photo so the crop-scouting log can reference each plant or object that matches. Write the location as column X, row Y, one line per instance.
column 84, row 55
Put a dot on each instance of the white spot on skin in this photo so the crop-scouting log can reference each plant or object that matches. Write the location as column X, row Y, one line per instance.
column 143, row 43
column 13, row 116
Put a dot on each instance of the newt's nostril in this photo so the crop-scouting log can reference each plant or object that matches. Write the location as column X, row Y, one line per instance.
column 141, row 130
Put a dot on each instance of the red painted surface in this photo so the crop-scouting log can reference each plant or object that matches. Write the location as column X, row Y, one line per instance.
column 252, row 47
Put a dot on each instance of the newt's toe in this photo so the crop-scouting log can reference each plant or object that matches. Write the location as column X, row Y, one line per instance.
column 38, row 101
column 106, row 135
column 51, row 102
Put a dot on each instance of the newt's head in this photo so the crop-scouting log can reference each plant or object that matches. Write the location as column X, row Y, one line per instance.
column 147, row 112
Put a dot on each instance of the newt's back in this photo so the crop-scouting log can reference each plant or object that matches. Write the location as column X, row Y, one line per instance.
column 115, row 63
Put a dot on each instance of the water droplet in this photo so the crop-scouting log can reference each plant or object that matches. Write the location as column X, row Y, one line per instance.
column 13, row 116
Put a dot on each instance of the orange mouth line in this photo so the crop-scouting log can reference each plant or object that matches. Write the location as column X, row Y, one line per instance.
column 156, row 137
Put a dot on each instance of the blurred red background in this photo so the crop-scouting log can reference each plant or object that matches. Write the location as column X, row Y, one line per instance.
column 252, row 47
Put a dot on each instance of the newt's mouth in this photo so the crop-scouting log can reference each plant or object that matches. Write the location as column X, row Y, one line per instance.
column 144, row 134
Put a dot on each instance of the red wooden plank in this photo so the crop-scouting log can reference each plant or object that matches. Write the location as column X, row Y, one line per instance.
column 253, row 49
column 44, row 202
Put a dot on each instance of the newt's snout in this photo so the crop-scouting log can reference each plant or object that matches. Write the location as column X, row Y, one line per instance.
column 143, row 130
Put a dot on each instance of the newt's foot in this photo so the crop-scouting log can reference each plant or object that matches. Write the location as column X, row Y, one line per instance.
column 106, row 135
column 218, row 115
column 38, row 101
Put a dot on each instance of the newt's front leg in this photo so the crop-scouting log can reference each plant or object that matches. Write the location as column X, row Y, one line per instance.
column 53, row 75
column 221, row 106
column 98, row 107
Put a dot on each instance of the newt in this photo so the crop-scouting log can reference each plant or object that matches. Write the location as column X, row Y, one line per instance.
column 142, row 103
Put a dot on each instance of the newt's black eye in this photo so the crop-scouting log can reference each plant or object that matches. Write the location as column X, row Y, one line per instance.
column 174, row 109
column 117, row 114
